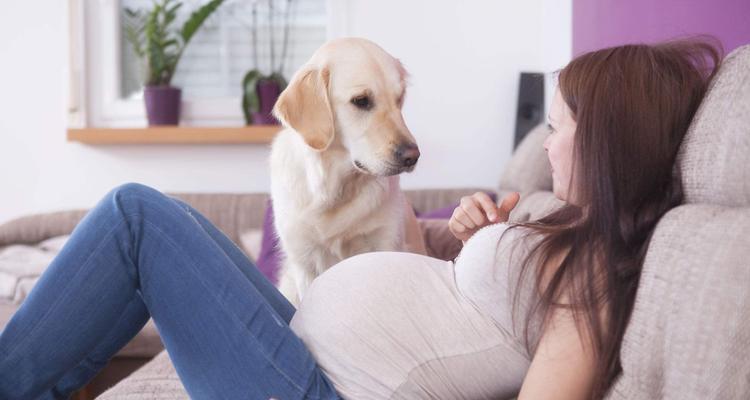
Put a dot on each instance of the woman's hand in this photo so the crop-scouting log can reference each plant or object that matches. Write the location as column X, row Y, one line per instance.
column 477, row 211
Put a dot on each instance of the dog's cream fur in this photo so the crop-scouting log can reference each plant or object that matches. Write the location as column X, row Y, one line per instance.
column 334, row 172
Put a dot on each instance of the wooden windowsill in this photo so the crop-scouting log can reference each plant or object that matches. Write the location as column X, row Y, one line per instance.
column 175, row 135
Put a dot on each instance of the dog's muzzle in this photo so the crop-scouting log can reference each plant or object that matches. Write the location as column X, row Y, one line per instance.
column 406, row 155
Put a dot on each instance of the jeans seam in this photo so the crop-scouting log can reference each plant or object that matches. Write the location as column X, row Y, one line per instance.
column 232, row 314
column 57, row 300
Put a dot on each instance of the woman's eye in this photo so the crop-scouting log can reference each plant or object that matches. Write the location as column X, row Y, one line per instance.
column 362, row 102
column 550, row 129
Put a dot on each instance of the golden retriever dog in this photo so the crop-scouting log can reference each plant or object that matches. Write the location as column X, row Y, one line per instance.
column 335, row 165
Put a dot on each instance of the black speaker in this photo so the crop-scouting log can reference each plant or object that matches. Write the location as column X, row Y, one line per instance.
column 530, row 110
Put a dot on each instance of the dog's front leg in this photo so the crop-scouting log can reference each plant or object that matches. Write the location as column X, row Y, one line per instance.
column 288, row 283
column 294, row 281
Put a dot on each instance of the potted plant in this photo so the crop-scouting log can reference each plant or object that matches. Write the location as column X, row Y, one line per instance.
column 260, row 91
column 160, row 46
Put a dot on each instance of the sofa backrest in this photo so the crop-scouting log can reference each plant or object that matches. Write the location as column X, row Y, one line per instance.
column 714, row 156
column 528, row 169
column 528, row 172
column 689, row 333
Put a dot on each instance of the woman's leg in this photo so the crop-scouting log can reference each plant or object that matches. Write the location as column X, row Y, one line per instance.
column 275, row 299
column 131, row 321
column 224, row 338
column 136, row 314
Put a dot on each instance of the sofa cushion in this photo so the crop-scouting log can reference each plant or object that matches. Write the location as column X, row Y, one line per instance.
column 157, row 380
column 715, row 154
column 528, row 169
column 231, row 213
column 534, row 205
column 22, row 264
column 689, row 334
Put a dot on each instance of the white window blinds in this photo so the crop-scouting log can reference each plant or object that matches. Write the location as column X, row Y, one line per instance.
column 222, row 51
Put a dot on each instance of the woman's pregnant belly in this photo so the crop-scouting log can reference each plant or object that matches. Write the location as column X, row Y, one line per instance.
column 389, row 325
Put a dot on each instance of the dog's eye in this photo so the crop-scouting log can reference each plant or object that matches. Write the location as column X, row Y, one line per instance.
column 362, row 102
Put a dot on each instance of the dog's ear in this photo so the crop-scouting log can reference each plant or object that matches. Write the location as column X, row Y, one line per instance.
column 304, row 106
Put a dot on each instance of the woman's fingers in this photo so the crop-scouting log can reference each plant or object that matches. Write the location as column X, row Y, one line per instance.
column 470, row 208
column 458, row 230
column 460, row 215
column 487, row 205
column 508, row 204
column 455, row 226
column 478, row 210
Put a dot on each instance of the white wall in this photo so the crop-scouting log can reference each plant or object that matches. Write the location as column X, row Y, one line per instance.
column 464, row 58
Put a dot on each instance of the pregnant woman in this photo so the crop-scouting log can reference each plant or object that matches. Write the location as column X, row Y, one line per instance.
column 536, row 309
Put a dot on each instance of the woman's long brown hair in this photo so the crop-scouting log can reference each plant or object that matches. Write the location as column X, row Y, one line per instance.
column 632, row 105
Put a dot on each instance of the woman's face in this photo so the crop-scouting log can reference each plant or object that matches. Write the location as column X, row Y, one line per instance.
column 559, row 146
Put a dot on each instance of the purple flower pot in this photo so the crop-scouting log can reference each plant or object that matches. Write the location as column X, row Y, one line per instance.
column 268, row 92
column 162, row 104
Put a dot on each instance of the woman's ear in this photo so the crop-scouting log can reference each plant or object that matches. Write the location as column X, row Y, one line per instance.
column 304, row 106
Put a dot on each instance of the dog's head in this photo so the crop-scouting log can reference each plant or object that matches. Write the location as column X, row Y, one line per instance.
column 350, row 95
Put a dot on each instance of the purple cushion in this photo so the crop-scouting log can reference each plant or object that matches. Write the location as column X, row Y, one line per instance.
column 269, row 259
column 445, row 212
column 438, row 213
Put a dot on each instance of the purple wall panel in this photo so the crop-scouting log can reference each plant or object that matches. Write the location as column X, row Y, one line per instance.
column 604, row 23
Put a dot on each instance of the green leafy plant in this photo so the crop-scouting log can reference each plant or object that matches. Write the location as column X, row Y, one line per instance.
column 155, row 40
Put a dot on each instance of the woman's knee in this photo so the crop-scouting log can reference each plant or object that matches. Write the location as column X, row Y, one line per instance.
column 136, row 190
column 130, row 196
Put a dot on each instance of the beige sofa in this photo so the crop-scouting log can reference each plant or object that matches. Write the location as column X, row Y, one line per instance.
column 689, row 334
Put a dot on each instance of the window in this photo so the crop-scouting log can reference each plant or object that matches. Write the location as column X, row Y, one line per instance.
column 106, row 88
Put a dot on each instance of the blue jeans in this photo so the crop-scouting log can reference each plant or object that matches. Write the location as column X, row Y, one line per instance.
column 140, row 253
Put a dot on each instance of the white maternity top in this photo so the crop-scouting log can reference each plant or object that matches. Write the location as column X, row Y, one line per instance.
column 389, row 325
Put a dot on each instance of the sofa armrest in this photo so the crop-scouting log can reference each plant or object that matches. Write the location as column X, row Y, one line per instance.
column 35, row 228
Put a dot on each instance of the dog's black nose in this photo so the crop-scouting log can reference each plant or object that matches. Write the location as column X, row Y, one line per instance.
column 407, row 154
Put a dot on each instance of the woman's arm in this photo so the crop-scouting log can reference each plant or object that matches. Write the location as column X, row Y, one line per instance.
column 563, row 366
